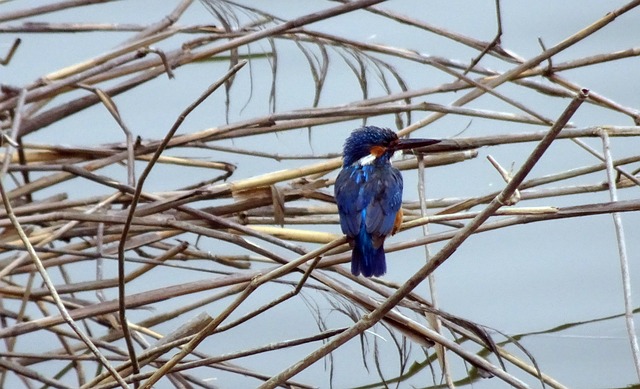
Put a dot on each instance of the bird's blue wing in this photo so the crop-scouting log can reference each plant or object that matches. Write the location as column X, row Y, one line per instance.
column 370, row 192
column 352, row 198
column 386, row 183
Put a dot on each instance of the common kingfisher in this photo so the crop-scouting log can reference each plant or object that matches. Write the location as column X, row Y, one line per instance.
column 368, row 192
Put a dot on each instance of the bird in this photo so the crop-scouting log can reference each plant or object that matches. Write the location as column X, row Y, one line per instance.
column 368, row 192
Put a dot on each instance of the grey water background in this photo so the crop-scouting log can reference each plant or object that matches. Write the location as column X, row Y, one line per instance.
column 525, row 279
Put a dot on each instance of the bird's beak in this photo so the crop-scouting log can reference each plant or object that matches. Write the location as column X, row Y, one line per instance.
column 404, row 144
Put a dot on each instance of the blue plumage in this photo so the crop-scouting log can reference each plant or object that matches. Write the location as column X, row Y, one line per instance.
column 368, row 191
column 368, row 197
column 366, row 259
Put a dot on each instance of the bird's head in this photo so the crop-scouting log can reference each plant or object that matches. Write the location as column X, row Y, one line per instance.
column 371, row 144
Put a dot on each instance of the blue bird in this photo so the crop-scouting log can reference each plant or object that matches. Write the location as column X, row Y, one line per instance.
column 368, row 192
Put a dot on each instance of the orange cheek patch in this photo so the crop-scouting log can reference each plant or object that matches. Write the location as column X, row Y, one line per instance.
column 378, row 151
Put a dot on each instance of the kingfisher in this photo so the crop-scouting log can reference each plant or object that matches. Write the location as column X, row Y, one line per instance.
column 368, row 191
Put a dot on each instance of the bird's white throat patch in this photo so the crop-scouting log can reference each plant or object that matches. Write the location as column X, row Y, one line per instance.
column 367, row 160
column 371, row 158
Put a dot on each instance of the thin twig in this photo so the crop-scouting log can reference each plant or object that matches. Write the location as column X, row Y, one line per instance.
column 622, row 252
column 7, row 58
column 433, row 319
column 255, row 283
column 121, row 247
column 52, row 290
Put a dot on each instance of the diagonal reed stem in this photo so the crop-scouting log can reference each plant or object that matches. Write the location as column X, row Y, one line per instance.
column 49, row 284
column 121, row 247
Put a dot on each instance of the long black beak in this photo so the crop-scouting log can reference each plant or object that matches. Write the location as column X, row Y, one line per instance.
column 404, row 144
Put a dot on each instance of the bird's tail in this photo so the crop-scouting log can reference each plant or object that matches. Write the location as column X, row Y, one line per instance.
column 366, row 259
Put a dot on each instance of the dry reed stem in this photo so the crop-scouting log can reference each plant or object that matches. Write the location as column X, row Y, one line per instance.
column 254, row 284
column 433, row 319
column 136, row 196
column 54, row 294
column 622, row 252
